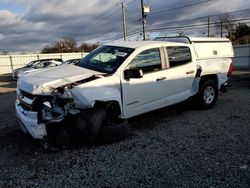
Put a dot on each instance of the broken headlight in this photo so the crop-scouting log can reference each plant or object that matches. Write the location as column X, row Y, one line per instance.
column 63, row 92
column 59, row 106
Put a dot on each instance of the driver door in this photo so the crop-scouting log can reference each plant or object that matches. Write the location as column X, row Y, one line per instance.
column 147, row 93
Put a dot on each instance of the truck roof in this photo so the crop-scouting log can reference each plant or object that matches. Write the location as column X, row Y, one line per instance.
column 208, row 39
column 189, row 40
column 135, row 44
column 164, row 40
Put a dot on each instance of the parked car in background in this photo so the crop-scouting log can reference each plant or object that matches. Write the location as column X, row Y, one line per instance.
column 35, row 65
column 72, row 61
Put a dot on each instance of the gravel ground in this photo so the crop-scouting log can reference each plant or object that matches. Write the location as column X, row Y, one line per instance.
column 171, row 147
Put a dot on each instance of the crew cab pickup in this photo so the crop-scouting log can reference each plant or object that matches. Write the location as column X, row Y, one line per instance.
column 118, row 81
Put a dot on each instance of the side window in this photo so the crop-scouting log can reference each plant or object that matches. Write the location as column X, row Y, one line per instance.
column 178, row 55
column 39, row 65
column 148, row 61
column 47, row 64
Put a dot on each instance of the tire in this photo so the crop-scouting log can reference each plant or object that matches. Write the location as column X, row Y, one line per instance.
column 58, row 136
column 113, row 133
column 95, row 122
column 63, row 139
column 208, row 94
column 100, row 128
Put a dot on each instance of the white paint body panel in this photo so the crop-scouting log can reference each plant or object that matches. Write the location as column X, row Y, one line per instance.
column 29, row 121
column 102, row 89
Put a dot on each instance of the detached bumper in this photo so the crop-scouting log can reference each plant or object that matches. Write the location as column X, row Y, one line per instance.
column 28, row 122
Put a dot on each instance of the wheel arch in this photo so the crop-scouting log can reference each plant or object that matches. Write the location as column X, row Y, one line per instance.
column 209, row 77
column 113, row 104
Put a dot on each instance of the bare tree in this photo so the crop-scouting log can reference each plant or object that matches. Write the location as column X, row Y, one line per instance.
column 224, row 25
column 180, row 33
column 64, row 45
column 67, row 45
column 84, row 47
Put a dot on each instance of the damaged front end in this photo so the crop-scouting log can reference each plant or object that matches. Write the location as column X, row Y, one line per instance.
column 35, row 112
column 56, row 107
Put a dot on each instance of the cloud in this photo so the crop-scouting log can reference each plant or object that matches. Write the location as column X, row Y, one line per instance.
column 43, row 22
column 1, row 36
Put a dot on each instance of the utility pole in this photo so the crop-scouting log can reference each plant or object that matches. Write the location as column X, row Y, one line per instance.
column 208, row 26
column 221, row 29
column 143, row 18
column 124, row 21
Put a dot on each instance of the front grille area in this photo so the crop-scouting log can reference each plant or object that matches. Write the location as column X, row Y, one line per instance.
column 28, row 95
column 25, row 106
column 37, row 101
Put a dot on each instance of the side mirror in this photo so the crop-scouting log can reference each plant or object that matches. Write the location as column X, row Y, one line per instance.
column 133, row 73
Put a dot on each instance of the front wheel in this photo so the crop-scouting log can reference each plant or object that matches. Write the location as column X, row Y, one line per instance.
column 208, row 94
column 104, row 128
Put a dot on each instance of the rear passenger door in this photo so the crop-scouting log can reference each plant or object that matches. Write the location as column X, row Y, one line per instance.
column 180, row 73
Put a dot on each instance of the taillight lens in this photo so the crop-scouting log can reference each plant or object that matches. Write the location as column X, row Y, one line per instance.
column 230, row 70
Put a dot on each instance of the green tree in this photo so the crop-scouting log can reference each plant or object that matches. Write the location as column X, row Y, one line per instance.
column 240, row 34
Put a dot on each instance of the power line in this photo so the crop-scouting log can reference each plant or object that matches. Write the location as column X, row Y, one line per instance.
column 181, row 7
column 195, row 25
column 171, row 9
column 98, row 18
column 187, row 27
column 102, row 17
column 204, row 17
column 175, row 22
column 102, row 14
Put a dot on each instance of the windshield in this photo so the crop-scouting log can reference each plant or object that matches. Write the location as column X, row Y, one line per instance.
column 106, row 58
column 31, row 63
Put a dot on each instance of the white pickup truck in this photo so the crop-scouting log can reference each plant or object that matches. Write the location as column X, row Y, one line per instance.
column 118, row 81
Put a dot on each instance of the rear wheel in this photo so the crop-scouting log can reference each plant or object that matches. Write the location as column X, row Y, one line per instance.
column 208, row 93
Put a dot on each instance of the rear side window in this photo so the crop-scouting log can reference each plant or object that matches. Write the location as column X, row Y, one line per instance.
column 178, row 55
column 148, row 61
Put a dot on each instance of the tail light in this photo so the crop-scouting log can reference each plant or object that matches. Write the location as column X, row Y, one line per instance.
column 230, row 70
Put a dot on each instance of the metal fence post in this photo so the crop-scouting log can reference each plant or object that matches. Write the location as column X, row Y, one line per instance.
column 11, row 64
column 249, row 56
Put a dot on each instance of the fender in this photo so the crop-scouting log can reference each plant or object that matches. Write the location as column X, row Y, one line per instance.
column 104, row 90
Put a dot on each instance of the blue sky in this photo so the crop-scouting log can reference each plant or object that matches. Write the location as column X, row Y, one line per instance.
column 29, row 25
column 12, row 7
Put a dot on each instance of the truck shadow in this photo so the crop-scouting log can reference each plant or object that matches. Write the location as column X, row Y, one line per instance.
column 147, row 120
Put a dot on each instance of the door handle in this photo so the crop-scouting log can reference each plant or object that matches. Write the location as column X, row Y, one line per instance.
column 190, row 72
column 162, row 78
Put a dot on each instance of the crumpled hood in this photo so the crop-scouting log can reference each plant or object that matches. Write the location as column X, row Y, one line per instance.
column 43, row 82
